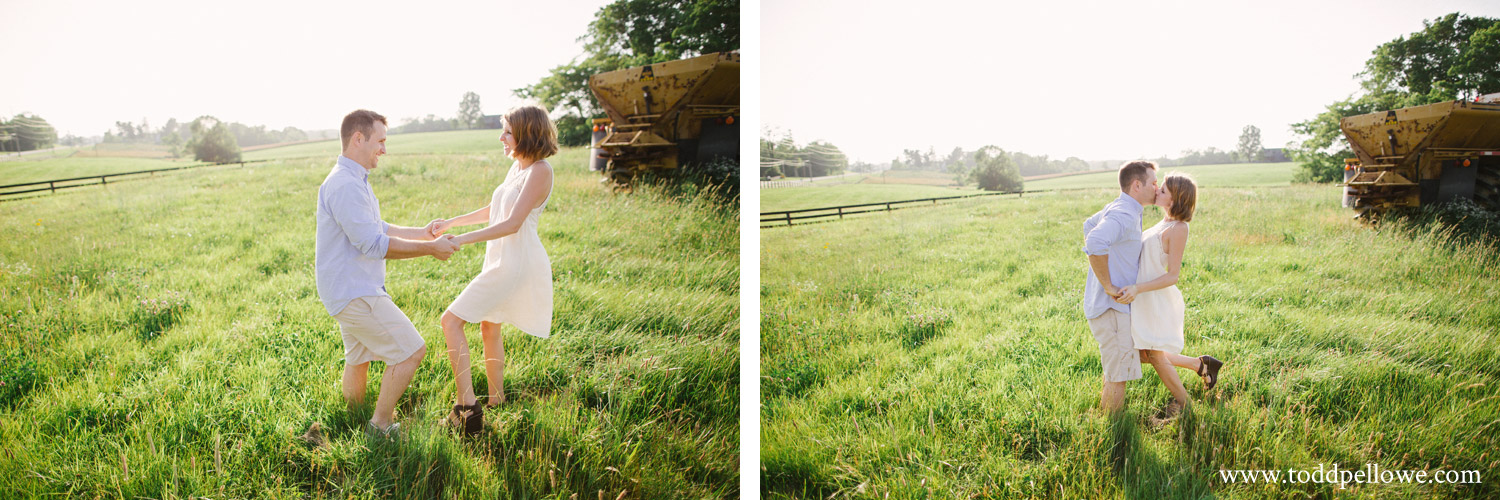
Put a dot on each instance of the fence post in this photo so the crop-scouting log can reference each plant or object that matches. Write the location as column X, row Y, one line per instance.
column 53, row 186
column 788, row 219
column 841, row 213
column 888, row 206
column 104, row 179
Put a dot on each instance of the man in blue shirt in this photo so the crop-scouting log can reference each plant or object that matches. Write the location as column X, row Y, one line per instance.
column 1112, row 240
column 353, row 244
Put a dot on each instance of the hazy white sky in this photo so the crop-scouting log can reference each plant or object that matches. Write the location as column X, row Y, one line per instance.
column 83, row 65
column 1098, row 80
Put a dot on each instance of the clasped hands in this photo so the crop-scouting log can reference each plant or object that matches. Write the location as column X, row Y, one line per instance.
column 444, row 244
column 1124, row 295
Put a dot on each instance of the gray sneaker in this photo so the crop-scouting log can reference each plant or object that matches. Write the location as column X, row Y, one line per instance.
column 388, row 432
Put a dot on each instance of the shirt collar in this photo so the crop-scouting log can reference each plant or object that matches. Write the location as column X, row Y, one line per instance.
column 354, row 168
column 1126, row 200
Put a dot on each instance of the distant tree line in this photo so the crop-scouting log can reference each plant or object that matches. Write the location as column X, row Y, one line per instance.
column 1453, row 57
column 1248, row 151
column 783, row 157
column 176, row 134
column 628, row 33
column 26, row 132
column 962, row 162
column 470, row 116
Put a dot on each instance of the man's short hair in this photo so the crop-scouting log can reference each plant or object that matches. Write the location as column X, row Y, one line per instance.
column 1134, row 171
column 362, row 121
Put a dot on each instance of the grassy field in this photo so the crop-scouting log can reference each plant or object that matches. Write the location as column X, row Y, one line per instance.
column 32, row 170
column 452, row 142
column 909, row 185
column 1240, row 174
column 797, row 198
column 918, row 177
column 164, row 339
column 117, row 158
column 941, row 352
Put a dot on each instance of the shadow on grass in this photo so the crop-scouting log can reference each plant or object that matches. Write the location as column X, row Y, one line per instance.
column 1142, row 473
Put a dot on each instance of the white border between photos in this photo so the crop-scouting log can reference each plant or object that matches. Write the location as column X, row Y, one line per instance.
column 749, row 249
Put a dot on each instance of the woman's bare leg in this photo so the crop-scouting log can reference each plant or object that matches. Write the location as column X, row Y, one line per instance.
column 494, row 361
column 1181, row 361
column 1168, row 375
column 458, row 355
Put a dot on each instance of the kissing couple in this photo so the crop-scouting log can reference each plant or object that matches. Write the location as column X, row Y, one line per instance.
column 514, row 286
column 1130, row 297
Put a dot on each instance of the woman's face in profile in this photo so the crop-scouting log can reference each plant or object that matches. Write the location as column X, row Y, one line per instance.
column 1163, row 198
column 509, row 139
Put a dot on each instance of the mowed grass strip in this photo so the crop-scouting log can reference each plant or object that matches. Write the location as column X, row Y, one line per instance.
column 943, row 352
column 164, row 339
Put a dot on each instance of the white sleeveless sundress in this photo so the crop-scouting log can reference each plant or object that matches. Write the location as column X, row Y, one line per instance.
column 515, row 284
column 1156, row 316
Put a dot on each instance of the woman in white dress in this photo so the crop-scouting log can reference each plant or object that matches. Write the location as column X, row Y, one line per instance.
column 515, row 284
column 1156, row 306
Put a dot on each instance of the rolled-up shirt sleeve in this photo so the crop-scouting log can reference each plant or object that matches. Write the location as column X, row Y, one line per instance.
column 1103, row 233
column 352, row 211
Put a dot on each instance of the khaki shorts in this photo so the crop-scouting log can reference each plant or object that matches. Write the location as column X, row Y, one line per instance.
column 1122, row 362
column 375, row 329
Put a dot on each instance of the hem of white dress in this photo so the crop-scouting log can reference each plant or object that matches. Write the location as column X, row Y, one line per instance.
column 523, row 330
column 1167, row 348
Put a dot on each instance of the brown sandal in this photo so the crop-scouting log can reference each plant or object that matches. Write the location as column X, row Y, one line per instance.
column 1208, row 368
column 470, row 418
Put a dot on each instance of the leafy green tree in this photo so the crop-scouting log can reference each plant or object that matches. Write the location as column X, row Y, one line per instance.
column 173, row 143
column 824, row 158
column 430, row 123
column 26, row 132
column 961, row 173
column 1250, row 149
column 630, row 33
column 1453, row 57
column 574, row 130
column 915, row 160
column 212, row 142
column 469, row 113
column 995, row 171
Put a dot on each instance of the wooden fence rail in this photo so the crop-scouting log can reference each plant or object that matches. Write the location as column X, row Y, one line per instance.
column 8, row 191
column 774, row 219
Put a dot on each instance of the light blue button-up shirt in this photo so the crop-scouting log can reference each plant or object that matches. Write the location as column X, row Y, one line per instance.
column 352, row 239
column 1114, row 231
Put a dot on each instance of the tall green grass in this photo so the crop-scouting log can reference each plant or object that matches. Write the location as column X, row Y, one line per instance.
column 164, row 339
column 942, row 352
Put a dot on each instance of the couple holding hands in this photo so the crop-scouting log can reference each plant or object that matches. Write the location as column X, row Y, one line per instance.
column 1141, row 322
column 514, row 286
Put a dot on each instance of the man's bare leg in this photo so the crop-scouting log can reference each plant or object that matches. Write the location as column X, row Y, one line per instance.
column 1112, row 397
column 355, row 383
column 397, row 377
column 494, row 361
